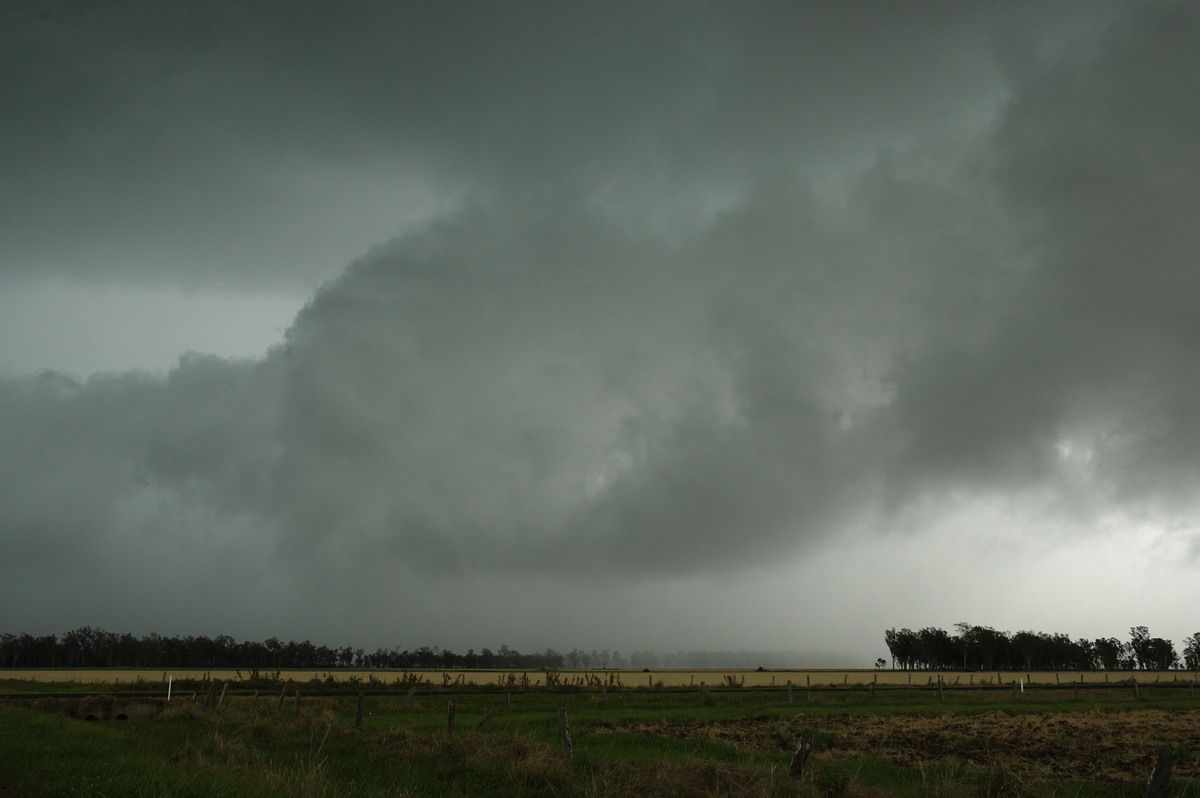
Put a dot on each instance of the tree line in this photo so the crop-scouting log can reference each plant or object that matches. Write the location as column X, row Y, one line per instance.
column 986, row 649
column 88, row 647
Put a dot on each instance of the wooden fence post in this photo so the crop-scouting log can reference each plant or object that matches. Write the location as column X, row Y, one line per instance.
column 359, row 712
column 789, row 691
column 279, row 703
column 564, row 733
column 1157, row 786
column 210, row 695
column 799, row 758
column 450, row 718
column 297, row 700
column 1136, row 694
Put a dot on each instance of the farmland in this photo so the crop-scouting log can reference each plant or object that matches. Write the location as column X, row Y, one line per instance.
column 630, row 732
column 623, row 678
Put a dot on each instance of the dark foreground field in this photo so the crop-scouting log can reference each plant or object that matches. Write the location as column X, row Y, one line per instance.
column 672, row 742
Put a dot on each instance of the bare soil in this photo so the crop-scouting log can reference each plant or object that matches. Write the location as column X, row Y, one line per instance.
column 1085, row 745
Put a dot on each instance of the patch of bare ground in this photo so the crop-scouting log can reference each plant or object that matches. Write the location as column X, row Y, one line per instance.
column 1086, row 745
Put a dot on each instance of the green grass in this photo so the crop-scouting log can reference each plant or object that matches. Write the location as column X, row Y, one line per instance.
column 506, row 746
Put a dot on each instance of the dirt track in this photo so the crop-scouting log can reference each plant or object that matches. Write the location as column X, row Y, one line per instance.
column 1091, row 745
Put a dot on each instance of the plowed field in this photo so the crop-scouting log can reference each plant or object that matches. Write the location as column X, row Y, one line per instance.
column 1086, row 745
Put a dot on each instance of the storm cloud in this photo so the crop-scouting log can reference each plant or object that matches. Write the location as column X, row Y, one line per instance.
column 633, row 303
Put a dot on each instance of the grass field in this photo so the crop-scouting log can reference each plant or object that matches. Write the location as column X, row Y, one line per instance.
column 625, row 740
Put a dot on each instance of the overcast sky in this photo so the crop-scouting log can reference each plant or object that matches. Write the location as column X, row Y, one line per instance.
column 611, row 325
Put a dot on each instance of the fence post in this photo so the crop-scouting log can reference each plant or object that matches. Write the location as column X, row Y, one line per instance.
column 359, row 712
column 1157, row 787
column 799, row 758
column 297, row 700
column 279, row 703
column 1136, row 694
column 450, row 718
column 564, row 733
column 210, row 697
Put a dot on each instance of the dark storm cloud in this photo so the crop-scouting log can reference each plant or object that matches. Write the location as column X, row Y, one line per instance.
column 1100, row 164
column 202, row 144
column 722, row 283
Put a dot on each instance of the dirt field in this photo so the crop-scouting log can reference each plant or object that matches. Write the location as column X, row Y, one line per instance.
column 1091, row 745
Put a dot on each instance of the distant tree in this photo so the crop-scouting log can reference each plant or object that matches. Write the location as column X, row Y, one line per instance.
column 935, row 649
column 903, row 646
column 1191, row 652
column 980, row 647
column 1029, row 646
column 1109, row 652
column 1161, row 655
column 880, row 663
column 1139, row 644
